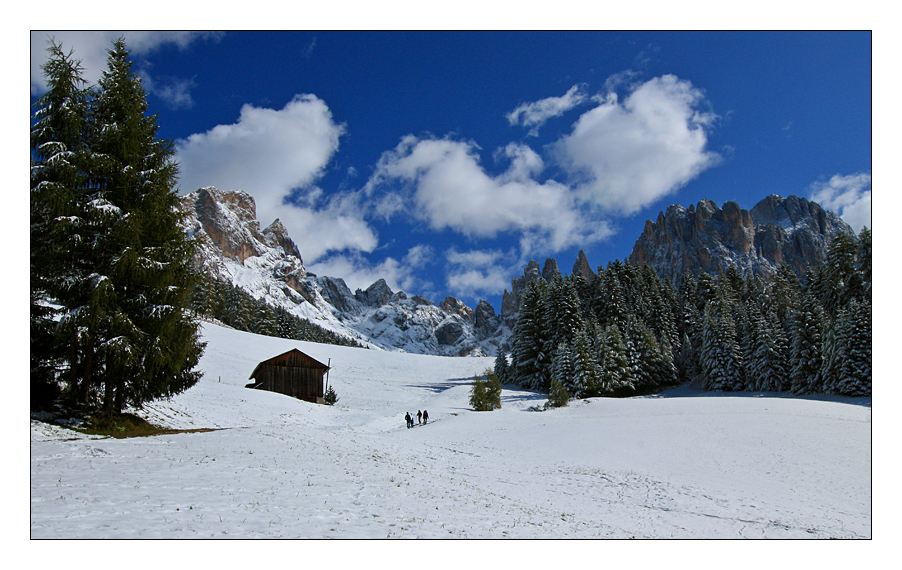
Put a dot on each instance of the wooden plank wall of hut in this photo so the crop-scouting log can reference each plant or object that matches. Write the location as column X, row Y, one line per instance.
column 303, row 383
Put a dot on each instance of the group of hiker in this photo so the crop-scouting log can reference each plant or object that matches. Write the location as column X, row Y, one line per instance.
column 422, row 418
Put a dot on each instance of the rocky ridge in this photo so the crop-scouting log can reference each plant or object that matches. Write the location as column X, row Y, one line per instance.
column 268, row 265
column 777, row 230
column 700, row 238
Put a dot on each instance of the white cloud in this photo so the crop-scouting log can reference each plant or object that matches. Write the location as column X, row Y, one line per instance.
column 324, row 224
column 534, row 115
column 419, row 256
column 447, row 187
column 272, row 153
column 475, row 272
column 90, row 48
column 525, row 164
column 360, row 273
column 625, row 156
column 175, row 91
column 847, row 195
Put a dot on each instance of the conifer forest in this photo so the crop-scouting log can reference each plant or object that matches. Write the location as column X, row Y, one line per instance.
column 628, row 332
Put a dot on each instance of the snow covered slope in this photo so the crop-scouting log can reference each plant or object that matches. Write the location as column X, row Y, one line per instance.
column 682, row 464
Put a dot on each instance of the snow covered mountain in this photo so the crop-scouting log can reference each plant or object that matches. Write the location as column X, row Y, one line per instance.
column 267, row 264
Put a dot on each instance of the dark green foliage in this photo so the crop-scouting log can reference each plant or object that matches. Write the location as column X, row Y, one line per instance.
column 636, row 334
column 721, row 362
column 108, row 250
column 808, row 323
column 529, row 363
column 563, row 369
column 502, row 366
column 60, row 173
column 864, row 261
column 616, row 375
column 485, row 395
column 847, row 355
column 558, row 397
column 330, row 397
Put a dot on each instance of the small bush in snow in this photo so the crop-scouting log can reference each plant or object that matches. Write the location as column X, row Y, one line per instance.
column 330, row 397
column 485, row 395
column 558, row 397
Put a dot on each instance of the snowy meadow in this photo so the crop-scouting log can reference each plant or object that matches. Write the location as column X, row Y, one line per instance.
column 680, row 464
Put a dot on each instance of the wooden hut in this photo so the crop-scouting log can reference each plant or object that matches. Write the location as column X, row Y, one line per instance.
column 293, row 374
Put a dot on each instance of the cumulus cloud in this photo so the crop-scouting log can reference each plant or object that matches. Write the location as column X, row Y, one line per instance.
column 90, row 47
column 174, row 91
column 267, row 152
column 533, row 115
column 445, row 186
column 625, row 155
column 271, row 154
column 325, row 224
column 475, row 272
column 359, row 273
column 847, row 195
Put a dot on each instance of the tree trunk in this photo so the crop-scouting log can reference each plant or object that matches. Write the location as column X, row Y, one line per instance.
column 87, row 371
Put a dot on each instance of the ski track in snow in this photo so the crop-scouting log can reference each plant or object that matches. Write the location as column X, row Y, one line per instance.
column 681, row 466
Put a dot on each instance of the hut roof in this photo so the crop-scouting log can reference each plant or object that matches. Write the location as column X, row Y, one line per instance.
column 293, row 358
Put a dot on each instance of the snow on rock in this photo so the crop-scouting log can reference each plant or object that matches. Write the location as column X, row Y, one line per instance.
column 267, row 264
column 682, row 464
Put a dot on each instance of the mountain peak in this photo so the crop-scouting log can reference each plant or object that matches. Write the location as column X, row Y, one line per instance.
column 267, row 264
column 707, row 238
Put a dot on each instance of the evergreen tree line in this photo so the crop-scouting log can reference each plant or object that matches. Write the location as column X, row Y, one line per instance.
column 628, row 332
column 221, row 300
column 110, row 266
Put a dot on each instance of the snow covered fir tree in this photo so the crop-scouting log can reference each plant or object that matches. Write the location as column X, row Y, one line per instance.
column 628, row 332
column 111, row 271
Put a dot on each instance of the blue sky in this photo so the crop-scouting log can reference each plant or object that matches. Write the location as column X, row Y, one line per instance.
column 444, row 161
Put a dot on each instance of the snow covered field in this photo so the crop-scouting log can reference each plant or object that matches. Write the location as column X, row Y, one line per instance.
column 683, row 464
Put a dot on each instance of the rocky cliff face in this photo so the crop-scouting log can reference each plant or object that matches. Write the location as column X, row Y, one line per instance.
column 777, row 230
column 267, row 264
column 510, row 301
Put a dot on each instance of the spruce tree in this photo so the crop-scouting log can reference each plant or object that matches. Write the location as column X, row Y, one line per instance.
column 586, row 370
column 770, row 368
column 641, row 345
column 864, row 262
column 616, row 375
column 721, row 362
column 558, row 396
column 501, row 366
column 109, row 244
column 609, row 304
column 563, row 370
column 853, row 369
column 842, row 281
column 485, row 394
column 493, row 389
column 529, row 364
column 806, row 346
column 747, row 321
column 563, row 313
column 478, row 394
column 156, row 344
column 60, row 178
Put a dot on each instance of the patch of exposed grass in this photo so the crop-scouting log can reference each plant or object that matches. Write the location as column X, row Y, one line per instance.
column 127, row 425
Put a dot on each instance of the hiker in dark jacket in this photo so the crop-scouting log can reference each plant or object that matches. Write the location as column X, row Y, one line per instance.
column 419, row 417
column 409, row 421
column 425, row 416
